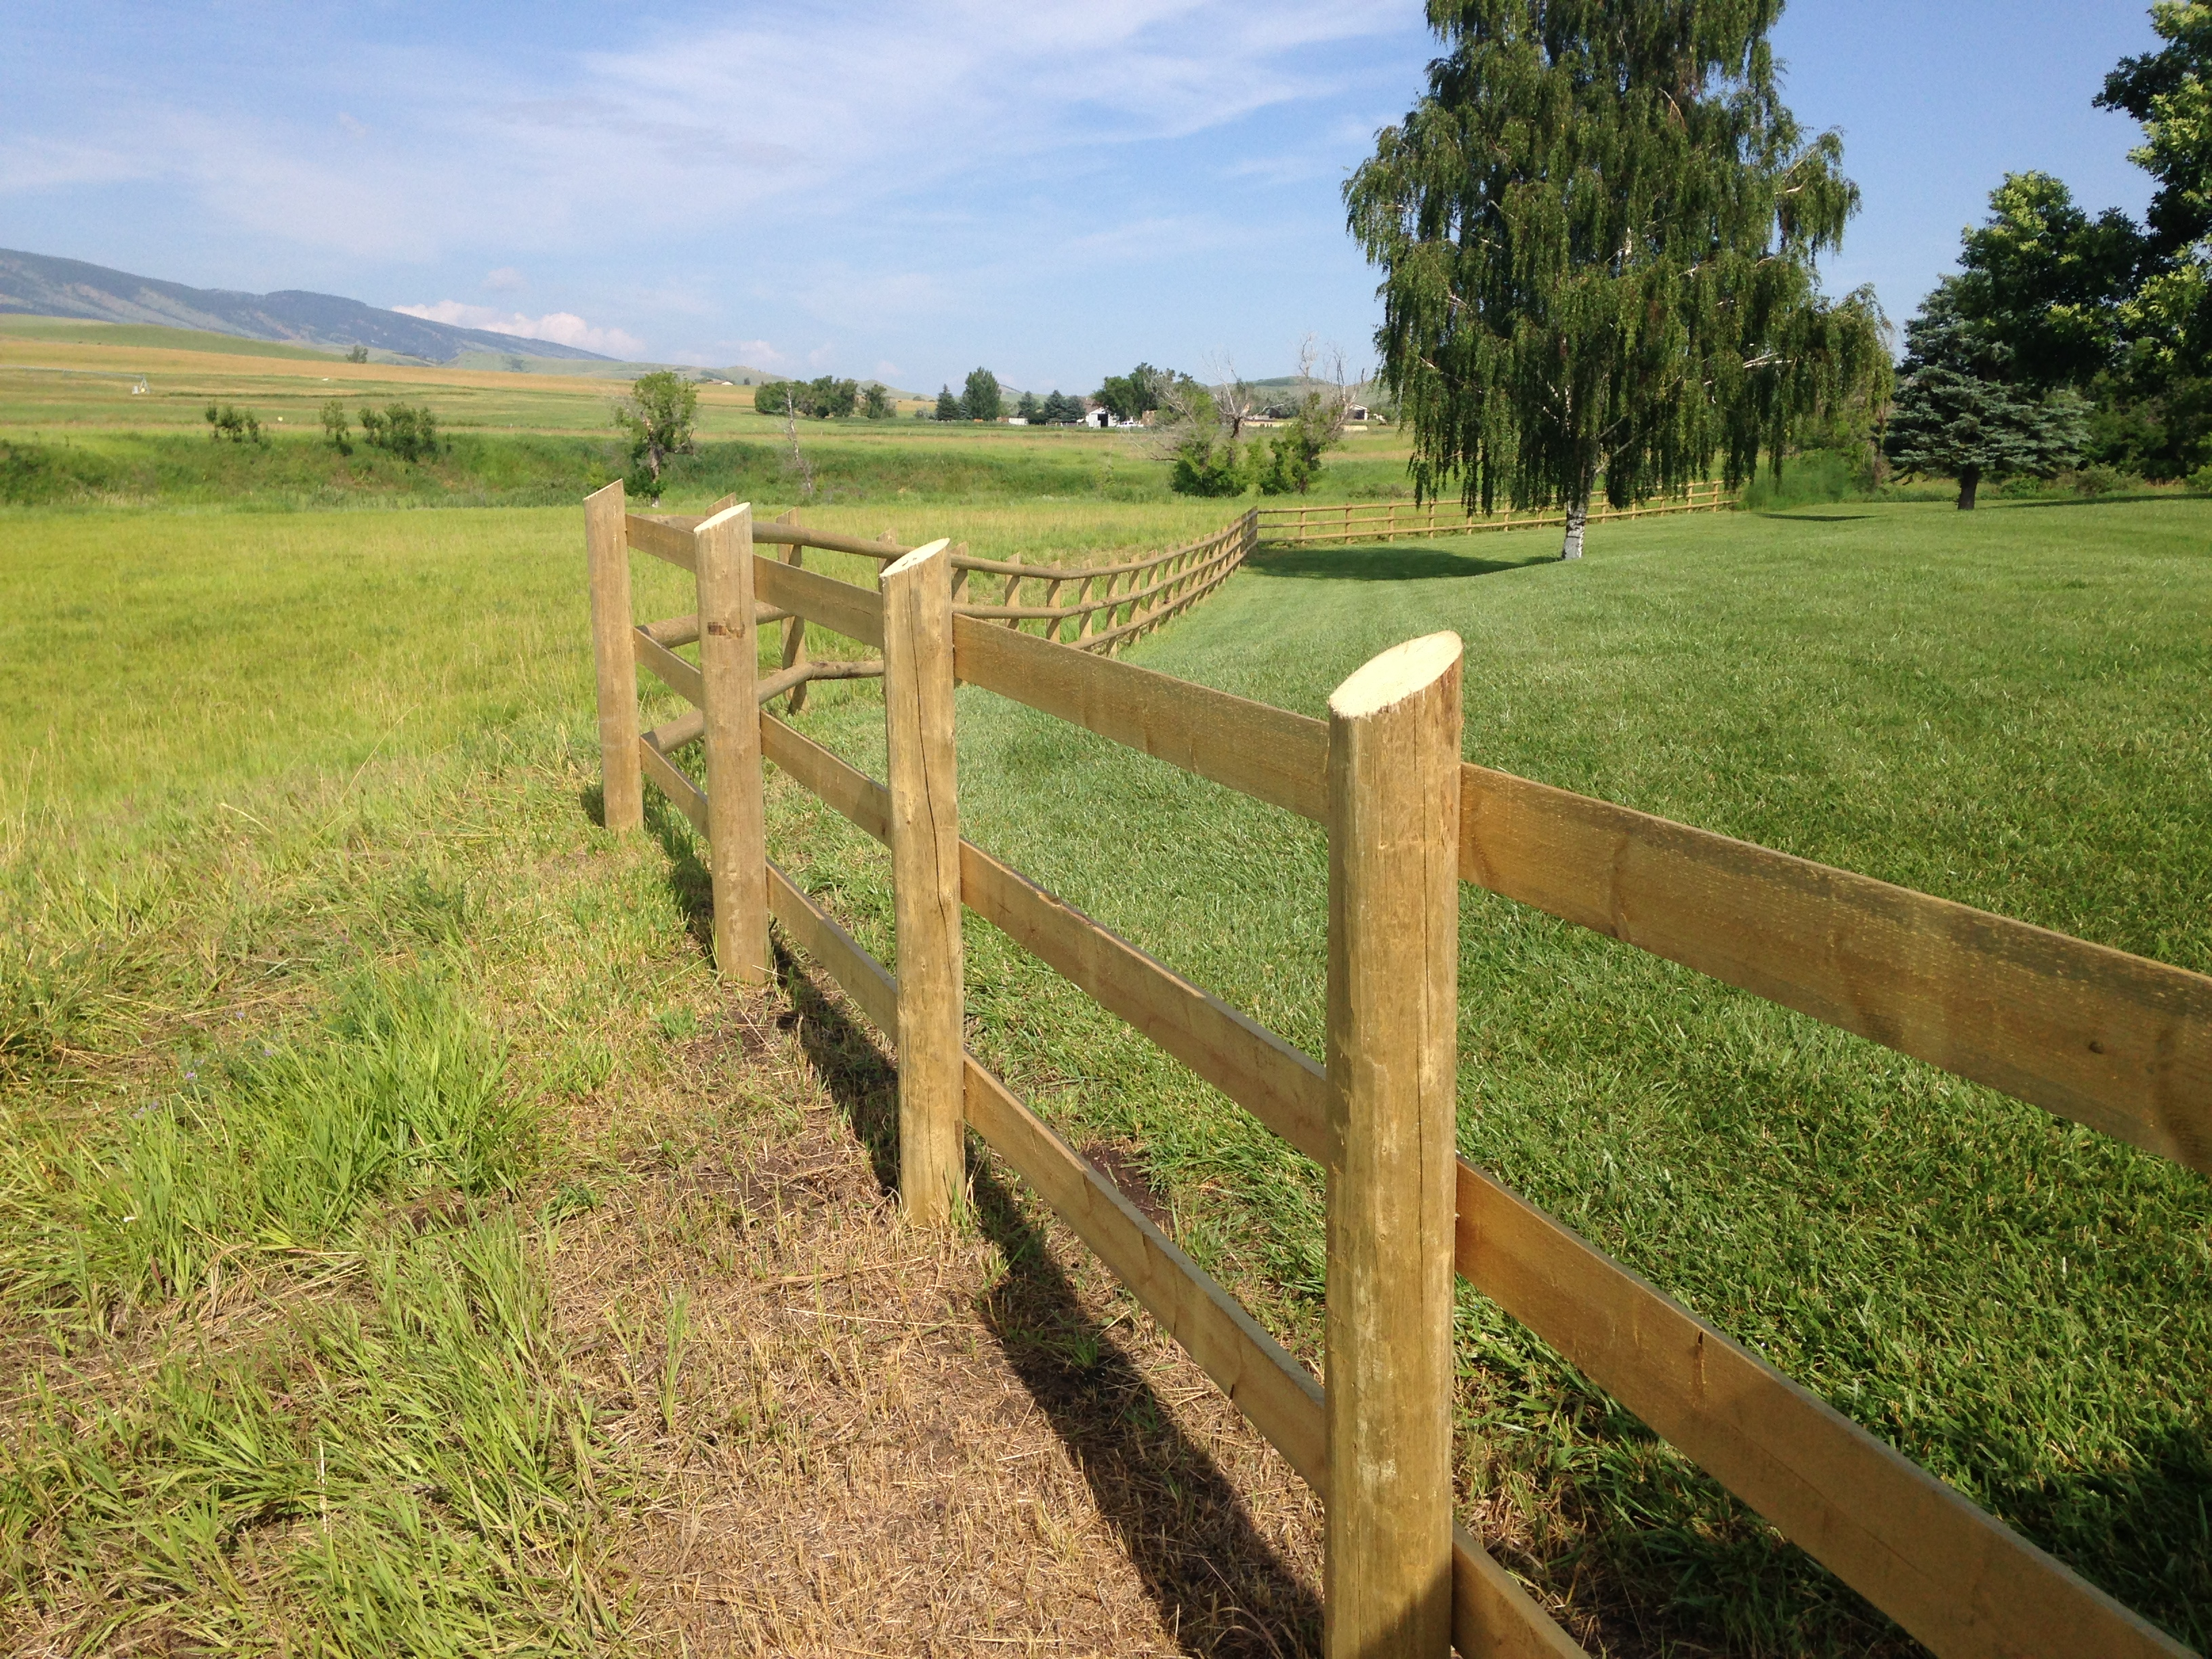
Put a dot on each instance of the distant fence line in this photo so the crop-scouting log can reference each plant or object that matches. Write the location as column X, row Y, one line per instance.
column 1382, row 521
column 2115, row 1041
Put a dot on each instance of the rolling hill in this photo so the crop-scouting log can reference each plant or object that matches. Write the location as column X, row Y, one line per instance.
column 40, row 285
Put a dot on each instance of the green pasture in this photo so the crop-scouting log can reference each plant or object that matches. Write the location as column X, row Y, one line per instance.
column 308, row 921
column 2008, row 709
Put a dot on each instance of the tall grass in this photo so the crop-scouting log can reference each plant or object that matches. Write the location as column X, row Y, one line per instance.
column 279, row 1145
column 408, row 1475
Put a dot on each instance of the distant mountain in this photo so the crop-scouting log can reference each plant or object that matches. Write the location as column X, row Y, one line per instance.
column 44, row 286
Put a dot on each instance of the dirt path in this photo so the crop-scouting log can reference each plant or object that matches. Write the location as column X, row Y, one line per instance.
column 879, row 1441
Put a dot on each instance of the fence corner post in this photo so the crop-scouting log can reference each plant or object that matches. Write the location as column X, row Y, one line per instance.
column 614, row 658
column 736, row 830
column 1394, row 754
column 925, row 837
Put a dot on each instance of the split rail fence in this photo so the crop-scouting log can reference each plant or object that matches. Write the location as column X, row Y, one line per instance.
column 2106, row 1039
column 1382, row 521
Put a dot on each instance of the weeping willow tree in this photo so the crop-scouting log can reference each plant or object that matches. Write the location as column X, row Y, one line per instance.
column 1599, row 232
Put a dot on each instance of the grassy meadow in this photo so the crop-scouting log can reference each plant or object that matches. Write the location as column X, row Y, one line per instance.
column 337, row 1043
column 2006, row 709
column 75, row 432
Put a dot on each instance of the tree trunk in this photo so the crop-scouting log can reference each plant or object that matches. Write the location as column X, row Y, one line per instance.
column 1970, row 480
column 1577, row 513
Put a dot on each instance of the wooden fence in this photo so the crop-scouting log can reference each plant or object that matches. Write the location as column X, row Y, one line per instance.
column 2094, row 1035
column 1382, row 521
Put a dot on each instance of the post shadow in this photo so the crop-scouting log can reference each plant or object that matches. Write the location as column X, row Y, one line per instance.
column 1214, row 1575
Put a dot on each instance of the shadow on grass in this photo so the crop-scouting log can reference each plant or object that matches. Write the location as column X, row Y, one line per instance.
column 1214, row 1575
column 1392, row 563
column 688, row 882
column 2122, row 498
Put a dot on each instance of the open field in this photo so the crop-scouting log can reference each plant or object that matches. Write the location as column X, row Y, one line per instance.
column 73, row 430
column 405, row 1248
column 2006, row 710
column 295, row 846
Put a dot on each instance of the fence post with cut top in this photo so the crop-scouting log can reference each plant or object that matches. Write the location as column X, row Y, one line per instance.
column 736, row 852
column 1392, row 1066
column 925, row 837
column 614, row 658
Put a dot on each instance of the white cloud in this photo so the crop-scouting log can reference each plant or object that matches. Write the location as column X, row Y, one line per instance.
column 562, row 327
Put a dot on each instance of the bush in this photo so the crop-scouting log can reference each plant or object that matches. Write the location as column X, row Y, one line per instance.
column 236, row 424
column 1810, row 478
column 335, row 427
column 2097, row 480
column 1206, row 462
column 407, row 430
column 2201, row 480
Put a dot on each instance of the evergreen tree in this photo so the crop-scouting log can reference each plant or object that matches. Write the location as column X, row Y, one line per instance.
column 1029, row 408
column 948, row 406
column 1598, row 233
column 1959, row 416
column 979, row 401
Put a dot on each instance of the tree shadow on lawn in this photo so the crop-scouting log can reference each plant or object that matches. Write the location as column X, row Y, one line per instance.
column 1395, row 562
column 1216, row 1579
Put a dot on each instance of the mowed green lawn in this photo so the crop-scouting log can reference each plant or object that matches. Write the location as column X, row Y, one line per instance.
column 2007, row 708
column 2010, row 709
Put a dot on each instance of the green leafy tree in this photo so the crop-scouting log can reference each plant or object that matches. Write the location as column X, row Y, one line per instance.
column 1598, row 231
column 2047, row 282
column 1029, row 408
column 948, row 406
column 658, row 415
column 876, row 402
column 1133, row 396
column 334, row 427
column 2155, row 416
column 979, row 401
column 1959, row 414
column 358, row 355
column 2170, row 92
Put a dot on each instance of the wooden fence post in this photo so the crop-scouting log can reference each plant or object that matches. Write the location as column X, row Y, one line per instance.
column 737, row 852
column 925, row 837
column 1392, row 1061
column 794, row 627
column 607, row 546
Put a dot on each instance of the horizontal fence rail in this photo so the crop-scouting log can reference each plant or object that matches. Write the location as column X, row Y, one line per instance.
column 1347, row 522
column 2113, row 1041
column 1102, row 608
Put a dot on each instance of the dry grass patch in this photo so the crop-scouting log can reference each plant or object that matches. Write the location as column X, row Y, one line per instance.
column 862, row 1437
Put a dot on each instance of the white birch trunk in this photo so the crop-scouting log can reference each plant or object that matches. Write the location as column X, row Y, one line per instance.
column 1577, row 513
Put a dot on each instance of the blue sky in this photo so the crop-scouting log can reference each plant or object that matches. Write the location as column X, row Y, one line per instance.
column 1053, row 190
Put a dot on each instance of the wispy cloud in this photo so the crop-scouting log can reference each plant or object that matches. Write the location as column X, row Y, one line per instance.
column 563, row 327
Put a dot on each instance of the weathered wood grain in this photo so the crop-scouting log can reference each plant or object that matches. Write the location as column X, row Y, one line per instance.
column 613, row 660
column 923, row 798
column 1394, row 731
